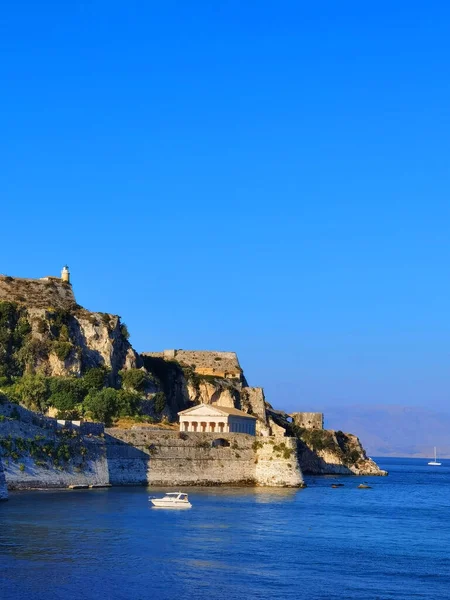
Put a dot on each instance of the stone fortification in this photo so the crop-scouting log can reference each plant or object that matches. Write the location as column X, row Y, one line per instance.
column 308, row 420
column 37, row 452
column 49, row 292
column 158, row 457
column 204, row 362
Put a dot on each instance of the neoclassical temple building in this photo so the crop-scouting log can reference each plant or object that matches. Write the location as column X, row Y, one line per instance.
column 210, row 418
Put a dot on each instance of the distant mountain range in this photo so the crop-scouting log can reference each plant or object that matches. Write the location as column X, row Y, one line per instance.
column 394, row 430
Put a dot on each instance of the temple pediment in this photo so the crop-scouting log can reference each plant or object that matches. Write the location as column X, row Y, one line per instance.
column 203, row 410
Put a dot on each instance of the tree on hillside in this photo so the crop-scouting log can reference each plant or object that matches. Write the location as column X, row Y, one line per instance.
column 95, row 379
column 101, row 405
column 32, row 391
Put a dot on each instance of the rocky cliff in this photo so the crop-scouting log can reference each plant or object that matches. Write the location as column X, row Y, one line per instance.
column 334, row 452
column 61, row 342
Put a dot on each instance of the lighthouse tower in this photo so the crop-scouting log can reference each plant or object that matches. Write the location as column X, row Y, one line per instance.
column 65, row 274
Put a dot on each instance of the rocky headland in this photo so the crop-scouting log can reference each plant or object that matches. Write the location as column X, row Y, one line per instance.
column 60, row 360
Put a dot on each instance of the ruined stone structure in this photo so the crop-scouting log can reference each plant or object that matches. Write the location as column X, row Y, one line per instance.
column 204, row 362
column 308, row 420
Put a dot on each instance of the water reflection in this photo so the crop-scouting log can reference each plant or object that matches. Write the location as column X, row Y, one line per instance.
column 235, row 542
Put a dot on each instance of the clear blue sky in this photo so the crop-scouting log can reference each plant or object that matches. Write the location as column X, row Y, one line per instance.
column 266, row 177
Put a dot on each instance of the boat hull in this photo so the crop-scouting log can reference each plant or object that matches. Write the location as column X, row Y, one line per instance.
column 163, row 504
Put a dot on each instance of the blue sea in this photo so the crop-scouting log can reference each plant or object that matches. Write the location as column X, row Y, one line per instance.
column 388, row 542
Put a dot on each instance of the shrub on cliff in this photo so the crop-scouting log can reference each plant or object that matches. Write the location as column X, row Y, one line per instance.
column 135, row 379
column 67, row 385
column 66, row 395
column 14, row 335
column 127, row 403
column 32, row 391
column 159, row 401
column 62, row 349
column 124, row 331
column 109, row 404
column 95, row 379
column 101, row 405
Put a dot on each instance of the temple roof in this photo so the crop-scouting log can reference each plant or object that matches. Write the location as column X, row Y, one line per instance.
column 213, row 409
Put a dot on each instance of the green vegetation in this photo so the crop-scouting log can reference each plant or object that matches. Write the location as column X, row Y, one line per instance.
column 14, row 334
column 28, row 341
column 124, row 331
column 159, row 402
column 96, row 378
column 106, row 404
column 62, row 349
column 339, row 443
column 75, row 397
column 66, row 448
column 135, row 379
column 282, row 450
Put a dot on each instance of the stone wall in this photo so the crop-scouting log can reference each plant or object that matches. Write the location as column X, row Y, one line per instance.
column 143, row 455
column 37, row 293
column 204, row 362
column 308, row 420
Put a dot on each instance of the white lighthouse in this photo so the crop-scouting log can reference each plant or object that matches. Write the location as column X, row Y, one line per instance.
column 65, row 274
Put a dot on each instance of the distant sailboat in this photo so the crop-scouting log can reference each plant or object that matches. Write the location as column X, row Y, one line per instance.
column 434, row 462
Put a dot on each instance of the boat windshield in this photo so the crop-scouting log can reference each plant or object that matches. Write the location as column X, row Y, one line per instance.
column 174, row 495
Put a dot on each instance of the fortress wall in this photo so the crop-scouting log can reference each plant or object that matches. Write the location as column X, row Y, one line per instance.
column 308, row 420
column 161, row 457
column 25, row 471
column 278, row 463
column 218, row 364
column 36, row 293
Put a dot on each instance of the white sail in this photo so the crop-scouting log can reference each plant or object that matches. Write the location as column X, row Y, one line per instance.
column 434, row 462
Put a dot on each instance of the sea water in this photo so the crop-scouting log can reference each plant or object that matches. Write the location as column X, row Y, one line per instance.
column 388, row 542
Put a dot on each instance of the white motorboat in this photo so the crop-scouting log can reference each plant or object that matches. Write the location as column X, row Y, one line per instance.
column 434, row 463
column 172, row 500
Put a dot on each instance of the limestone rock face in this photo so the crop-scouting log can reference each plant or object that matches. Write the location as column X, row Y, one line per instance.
column 254, row 402
column 344, row 455
column 65, row 343
column 102, row 341
column 210, row 392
